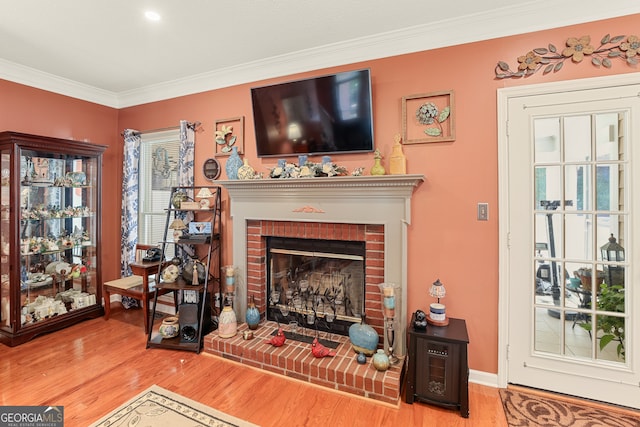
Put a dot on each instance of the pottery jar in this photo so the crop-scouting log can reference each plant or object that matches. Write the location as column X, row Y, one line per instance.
column 380, row 360
column 169, row 327
column 364, row 339
column 252, row 315
column 227, row 323
column 246, row 171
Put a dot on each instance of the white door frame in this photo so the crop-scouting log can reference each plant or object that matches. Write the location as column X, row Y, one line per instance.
column 503, row 96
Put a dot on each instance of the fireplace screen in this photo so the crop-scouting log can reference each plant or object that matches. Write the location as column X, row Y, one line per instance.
column 317, row 283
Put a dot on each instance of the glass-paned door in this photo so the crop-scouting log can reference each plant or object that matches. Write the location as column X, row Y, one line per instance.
column 579, row 172
column 571, row 260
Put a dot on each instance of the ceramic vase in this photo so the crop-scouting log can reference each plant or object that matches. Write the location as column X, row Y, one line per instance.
column 169, row 327
column 253, row 315
column 246, row 171
column 234, row 163
column 380, row 360
column 364, row 339
column 361, row 359
column 377, row 168
column 397, row 162
column 227, row 323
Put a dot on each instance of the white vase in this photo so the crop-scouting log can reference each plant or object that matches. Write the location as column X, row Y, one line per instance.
column 246, row 171
column 227, row 323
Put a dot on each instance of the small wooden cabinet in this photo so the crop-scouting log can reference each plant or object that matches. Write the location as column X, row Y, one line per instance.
column 438, row 368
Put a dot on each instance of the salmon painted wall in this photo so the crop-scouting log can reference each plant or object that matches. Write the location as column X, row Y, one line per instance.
column 28, row 110
column 445, row 240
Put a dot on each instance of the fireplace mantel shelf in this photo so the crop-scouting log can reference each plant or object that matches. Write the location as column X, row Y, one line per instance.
column 358, row 183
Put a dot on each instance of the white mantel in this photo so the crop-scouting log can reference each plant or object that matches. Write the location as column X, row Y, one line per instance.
column 384, row 200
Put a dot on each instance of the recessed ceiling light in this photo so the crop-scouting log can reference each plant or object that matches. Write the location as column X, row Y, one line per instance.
column 152, row 16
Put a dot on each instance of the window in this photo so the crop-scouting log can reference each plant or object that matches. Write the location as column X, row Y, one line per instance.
column 159, row 153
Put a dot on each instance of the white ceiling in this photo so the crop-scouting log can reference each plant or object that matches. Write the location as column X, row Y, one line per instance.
column 105, row 51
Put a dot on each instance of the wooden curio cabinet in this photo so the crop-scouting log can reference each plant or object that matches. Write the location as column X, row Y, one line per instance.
column 49, row 234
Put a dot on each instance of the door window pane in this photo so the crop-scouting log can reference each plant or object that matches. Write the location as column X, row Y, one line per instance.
column 579, row 211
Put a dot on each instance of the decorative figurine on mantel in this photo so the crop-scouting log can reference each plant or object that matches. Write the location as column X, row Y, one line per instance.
column 397, row 162
column 377, row 168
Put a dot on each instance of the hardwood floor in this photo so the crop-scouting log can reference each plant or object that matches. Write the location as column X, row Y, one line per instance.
column 93, row 367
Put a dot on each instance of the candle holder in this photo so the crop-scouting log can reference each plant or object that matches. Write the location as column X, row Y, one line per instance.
column 389, row 291
column 229, row 278
column 229, row 284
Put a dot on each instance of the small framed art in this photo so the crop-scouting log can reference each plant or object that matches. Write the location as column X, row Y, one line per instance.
column 428, row 117
column 229, row 133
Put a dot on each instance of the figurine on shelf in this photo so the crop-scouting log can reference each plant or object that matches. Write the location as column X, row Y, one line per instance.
column 397, row 162
column 377, row 168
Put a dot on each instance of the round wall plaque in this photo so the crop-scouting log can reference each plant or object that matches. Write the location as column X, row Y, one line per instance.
column 211, row 169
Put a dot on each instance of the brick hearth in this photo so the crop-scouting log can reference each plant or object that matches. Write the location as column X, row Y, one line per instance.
column 295, row 360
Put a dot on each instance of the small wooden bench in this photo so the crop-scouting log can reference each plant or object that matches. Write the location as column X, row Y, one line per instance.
column 137, row 285
column 131, row 286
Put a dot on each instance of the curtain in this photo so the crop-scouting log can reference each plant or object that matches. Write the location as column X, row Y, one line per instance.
column 186, row 158
column 187, row 153
column 130, row 193
column 129, row 219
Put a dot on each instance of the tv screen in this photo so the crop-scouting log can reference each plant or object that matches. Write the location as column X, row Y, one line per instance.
column 321, row 115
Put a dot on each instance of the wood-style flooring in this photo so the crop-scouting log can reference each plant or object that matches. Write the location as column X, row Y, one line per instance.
column 93, row 367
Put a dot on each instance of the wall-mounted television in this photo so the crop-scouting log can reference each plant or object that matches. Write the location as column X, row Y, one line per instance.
column 320, row 115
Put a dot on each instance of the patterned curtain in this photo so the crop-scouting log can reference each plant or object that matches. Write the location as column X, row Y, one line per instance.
column 129, row 219
column 186, row 158
column 130, row 189
column 187, row 154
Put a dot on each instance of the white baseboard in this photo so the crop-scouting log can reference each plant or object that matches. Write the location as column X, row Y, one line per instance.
column 483, row 378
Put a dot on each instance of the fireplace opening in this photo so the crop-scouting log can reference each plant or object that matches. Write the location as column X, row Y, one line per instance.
column 320, row 284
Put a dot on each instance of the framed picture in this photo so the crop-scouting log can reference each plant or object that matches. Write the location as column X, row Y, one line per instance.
column 428, row 117
column 199, row 227
column 229, row 133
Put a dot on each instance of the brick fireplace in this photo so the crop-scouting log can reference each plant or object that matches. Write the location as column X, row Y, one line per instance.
column 371, row 234
column 371, row 209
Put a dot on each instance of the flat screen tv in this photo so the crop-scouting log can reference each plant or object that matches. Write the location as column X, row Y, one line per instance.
column 321, row 115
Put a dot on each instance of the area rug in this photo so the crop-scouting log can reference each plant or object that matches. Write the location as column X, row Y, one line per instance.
column 158, row 407
column 528, row 409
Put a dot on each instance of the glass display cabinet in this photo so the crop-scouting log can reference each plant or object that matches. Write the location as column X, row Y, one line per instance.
column 49, row 234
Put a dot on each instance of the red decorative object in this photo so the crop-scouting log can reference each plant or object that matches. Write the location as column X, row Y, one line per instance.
column 318, row 350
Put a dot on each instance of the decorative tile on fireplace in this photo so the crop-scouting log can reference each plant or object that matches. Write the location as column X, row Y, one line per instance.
column 295, row 360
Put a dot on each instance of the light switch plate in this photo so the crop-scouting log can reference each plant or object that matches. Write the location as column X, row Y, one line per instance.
column 483, row 211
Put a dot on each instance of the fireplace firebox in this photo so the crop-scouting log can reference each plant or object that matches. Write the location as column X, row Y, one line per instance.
column 320, row 284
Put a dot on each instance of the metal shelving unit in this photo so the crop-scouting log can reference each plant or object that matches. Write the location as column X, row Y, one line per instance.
column 200, row 243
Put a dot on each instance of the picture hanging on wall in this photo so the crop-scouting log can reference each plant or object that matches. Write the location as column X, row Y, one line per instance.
column 229, row 133
column 428, row 117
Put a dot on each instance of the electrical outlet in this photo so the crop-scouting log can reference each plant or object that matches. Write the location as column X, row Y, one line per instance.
column 483, row 211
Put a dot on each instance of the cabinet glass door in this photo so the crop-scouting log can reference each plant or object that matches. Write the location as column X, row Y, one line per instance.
column 57, row 232
column 5, row 240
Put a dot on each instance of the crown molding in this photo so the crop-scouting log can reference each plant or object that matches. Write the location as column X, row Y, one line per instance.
column 38, row 79
column 497, row 23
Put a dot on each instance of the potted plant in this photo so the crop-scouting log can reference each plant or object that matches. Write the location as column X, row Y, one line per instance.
column 611, row 298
